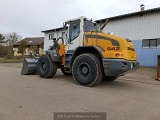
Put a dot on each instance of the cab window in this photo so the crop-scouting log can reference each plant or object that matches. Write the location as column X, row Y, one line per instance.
column 74, row 30
column 89, row 26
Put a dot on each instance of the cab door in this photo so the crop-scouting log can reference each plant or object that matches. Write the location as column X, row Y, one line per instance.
column 73, row 35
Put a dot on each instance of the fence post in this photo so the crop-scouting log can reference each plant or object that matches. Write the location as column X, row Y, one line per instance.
column 158, row 67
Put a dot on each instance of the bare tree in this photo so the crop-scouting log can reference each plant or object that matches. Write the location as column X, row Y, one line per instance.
column 12, row 38
column 22, row 47
column 1, row 38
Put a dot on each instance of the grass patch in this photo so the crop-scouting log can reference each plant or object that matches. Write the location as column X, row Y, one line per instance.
column 14, row 59
column 4, row 60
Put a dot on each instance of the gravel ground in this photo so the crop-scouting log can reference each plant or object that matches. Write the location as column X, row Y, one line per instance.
column 134, row 96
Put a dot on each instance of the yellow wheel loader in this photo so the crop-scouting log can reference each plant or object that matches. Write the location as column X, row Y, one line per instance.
column 87, row 54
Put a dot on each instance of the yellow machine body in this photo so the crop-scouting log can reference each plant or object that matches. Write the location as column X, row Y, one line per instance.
column 112, row 46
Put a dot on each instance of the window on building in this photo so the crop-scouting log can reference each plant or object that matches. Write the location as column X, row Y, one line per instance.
column 51, row 36
column 151, row 43
column 145, row 43
column 158, row 42
column 37, row 51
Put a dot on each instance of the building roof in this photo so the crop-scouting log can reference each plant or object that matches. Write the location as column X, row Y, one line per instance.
column 139, row 13
column 31, row 41
column 55, row 29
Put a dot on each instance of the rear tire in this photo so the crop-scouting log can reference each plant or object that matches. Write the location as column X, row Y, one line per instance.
column 45, row 67
column 86, row 70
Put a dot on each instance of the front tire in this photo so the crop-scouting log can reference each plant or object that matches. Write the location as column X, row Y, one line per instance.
column 86, row 70
column 45, row 67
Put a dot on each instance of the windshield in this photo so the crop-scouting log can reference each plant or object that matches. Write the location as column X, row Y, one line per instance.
column 89, row 26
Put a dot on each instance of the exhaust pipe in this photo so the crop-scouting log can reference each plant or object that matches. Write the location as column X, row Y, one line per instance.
column 29, row 66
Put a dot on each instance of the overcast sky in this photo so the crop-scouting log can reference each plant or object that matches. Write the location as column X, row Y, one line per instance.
column 29, row 17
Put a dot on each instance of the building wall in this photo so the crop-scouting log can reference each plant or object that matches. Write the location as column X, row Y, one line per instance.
column 136, row 27
column 146, row 56
column 16, row 52
column 28, row 51
column 41, row 51
column 47, row 42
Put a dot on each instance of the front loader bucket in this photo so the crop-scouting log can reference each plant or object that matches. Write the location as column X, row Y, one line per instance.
column 29, row 66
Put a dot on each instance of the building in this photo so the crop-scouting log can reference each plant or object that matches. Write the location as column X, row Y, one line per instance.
column 142, row 27
column 35, row 46
column 50, row 34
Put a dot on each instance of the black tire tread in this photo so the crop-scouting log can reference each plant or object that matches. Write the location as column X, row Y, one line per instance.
column 99, row 75
column 53, row 67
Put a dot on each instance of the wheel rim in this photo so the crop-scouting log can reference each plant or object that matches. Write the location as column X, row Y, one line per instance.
column 84, row 69
column 43, row 65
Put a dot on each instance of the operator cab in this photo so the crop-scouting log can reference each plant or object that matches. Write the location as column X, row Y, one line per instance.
column 89, row 25
column 75, row 31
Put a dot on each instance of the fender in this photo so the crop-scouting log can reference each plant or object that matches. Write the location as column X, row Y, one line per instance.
column 54, row 55
column 87, row 49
